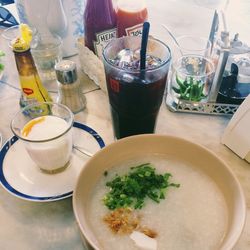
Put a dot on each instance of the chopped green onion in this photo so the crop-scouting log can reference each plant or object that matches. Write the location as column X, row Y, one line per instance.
column 131, row 190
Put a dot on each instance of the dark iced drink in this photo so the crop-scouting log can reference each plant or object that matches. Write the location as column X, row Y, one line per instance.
column 135, row 97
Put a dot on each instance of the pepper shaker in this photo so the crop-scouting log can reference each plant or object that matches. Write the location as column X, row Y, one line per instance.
column 69, row 88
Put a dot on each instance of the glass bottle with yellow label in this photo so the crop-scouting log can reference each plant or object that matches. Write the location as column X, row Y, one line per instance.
column 31, row 85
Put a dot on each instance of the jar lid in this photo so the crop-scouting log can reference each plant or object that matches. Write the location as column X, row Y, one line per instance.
column 22, row 42
column 237, row 46
column 66, row 72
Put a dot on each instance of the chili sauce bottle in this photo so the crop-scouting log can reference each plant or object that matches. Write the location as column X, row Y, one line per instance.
column 99, row 24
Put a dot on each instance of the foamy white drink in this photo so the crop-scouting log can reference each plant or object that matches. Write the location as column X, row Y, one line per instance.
column 55, row 152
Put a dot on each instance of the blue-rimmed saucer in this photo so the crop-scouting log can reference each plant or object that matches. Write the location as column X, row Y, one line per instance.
column 22, row 178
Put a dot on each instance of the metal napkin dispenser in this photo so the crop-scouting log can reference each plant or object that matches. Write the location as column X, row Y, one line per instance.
column 237, row 134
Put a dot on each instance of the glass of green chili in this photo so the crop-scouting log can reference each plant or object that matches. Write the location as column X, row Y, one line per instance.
column 191, row 78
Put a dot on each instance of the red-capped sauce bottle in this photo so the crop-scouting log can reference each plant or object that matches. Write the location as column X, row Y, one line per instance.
column 99, row 24
column 131, row 15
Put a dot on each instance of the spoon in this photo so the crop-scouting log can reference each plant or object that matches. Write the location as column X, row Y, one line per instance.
column 170, row 33
column 173, row 37
column 83, row 151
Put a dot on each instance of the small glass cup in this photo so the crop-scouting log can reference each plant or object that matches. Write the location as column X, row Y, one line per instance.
column 47, row 51
column 190, row 79
column 195, row 45
column 46, row 131
column 14, row 32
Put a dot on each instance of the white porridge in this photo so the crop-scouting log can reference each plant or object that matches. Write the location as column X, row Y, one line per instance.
column 191, row 217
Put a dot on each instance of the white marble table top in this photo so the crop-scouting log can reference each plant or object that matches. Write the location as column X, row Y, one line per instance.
column 43, row 226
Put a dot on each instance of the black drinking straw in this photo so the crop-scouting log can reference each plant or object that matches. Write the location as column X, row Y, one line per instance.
column 144, row 42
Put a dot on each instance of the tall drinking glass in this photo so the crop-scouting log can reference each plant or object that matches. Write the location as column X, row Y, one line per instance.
column 135, row 96
column 195, row 45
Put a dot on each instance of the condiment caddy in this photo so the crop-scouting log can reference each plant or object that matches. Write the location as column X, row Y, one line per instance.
column 231, row 81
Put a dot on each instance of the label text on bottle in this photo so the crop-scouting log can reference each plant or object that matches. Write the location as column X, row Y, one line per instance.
column 102, row 38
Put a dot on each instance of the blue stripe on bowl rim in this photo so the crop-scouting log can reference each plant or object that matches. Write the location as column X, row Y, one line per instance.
column 15, row 192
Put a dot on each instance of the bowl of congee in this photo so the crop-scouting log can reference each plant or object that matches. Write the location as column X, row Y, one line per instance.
column 158, row 192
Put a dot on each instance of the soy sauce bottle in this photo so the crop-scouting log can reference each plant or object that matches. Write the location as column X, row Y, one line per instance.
column 99, row 24
column 32, row 88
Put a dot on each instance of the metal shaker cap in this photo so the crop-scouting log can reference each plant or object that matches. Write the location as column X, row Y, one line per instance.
column 66, row 72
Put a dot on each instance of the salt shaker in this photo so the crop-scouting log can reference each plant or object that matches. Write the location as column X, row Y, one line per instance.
column 69, row 89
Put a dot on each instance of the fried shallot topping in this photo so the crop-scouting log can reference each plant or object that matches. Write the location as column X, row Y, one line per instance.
column 122, row 220
column 125, row 221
